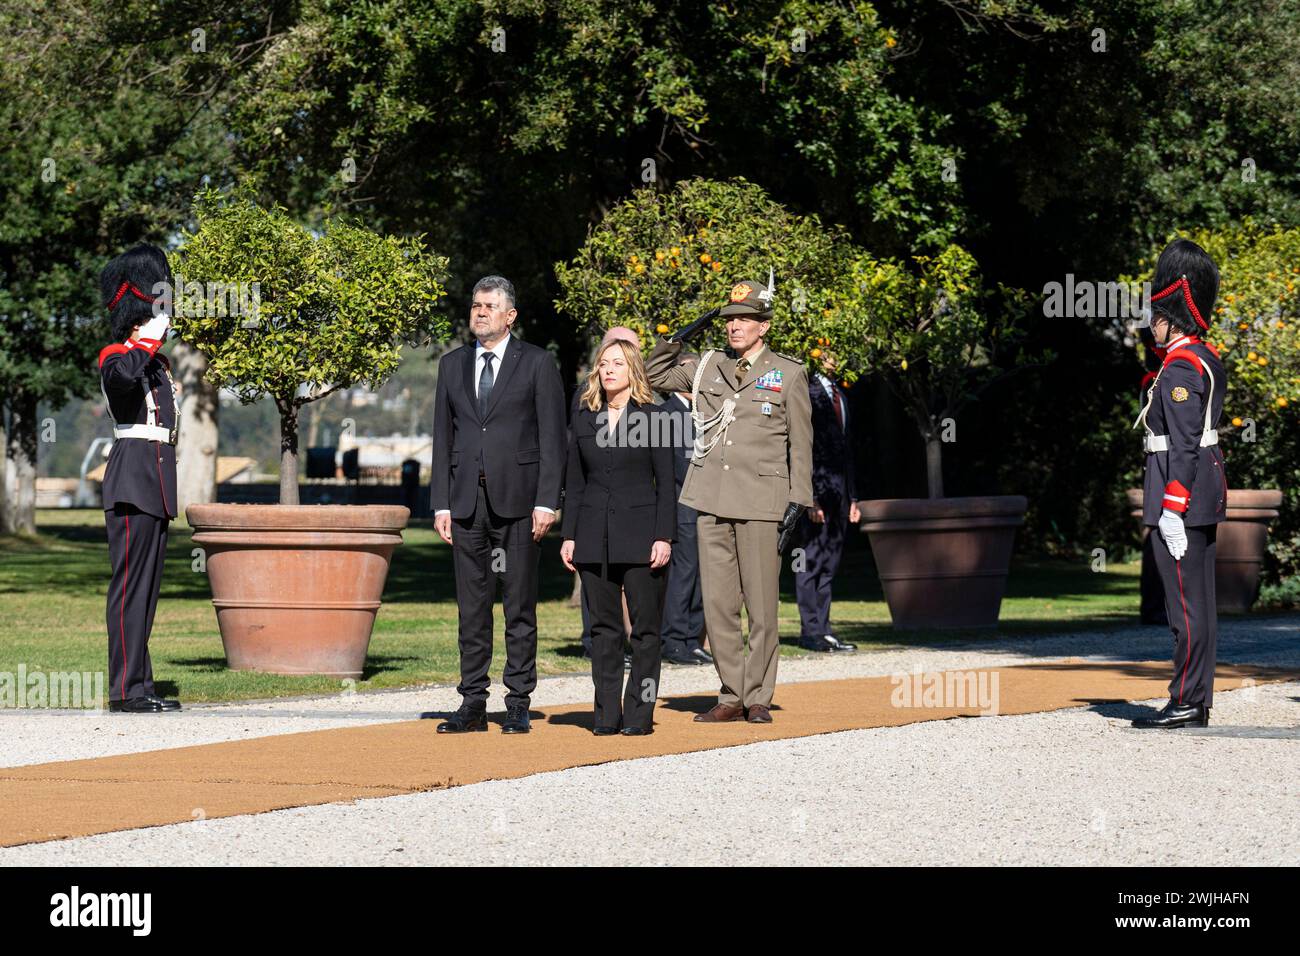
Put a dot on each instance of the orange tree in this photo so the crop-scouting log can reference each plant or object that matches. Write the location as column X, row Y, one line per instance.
column 936, row 336
column 665, row 258
column 332, row 308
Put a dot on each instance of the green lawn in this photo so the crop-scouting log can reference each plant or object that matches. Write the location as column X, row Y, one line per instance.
column 52, row 591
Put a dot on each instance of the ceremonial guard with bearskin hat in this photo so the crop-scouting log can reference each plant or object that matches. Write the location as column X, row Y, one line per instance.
column 1185, row 492
column 139, row 488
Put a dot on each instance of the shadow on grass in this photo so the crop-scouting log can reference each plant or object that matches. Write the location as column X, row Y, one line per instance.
column 375, row 664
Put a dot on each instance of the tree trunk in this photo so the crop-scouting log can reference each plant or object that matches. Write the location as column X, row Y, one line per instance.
column 196, row 447
column 288, row 452
column 19, row 502
column 4, row 469
column 313, row 427
column 934, row 464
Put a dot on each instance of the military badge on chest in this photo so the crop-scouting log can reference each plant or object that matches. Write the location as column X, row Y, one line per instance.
column 769, row 381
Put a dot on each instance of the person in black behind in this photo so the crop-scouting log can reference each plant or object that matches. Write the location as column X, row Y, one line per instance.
column 620, row 512
column 825, row 526
column 140, row 479
column 683, row 623
column 498, row 460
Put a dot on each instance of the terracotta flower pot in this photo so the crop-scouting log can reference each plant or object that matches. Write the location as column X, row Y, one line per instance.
column 297, row 587
column 1242, row 544
column 943, row 562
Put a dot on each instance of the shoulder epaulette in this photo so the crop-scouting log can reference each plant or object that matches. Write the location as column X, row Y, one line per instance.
column 114, row 349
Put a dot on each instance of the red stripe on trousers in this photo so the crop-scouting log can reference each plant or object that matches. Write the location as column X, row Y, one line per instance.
column 1187, row 629
column 121, row 613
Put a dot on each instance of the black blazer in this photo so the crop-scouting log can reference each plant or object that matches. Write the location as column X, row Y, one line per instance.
column 518, row 446
column 833, row 474
column 618, row 492
column 139, row 472
column 683, row 439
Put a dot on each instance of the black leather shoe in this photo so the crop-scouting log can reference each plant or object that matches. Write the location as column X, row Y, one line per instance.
column 604, row 731
column 465, row 720
column 637, row 731
column 701, row 655
column 136, row 705
column 164, row 702
column 1177, row 715
column 829, row 644
column 686, row 658
column 516, row 721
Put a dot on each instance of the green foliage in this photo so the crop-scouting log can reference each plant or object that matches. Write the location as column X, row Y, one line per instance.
column 933, row 331
column 669, row 257
column 334, row 308
column 99, row 153
column 595, row 87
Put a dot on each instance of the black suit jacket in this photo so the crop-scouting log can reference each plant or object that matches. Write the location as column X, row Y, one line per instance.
column 618, row 491
column 683, row 439
column 139, row 472
column 833, row 471
column 518, row 446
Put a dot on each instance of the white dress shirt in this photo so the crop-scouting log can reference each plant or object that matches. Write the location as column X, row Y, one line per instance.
column 829, row 386
column 480, row 360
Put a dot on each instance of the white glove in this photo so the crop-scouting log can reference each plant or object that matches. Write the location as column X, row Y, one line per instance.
column 156, row 327
column 1175, row 535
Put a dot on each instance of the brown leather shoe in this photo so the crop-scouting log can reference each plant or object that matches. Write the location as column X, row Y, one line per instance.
column 758, row 714
column 721, row 713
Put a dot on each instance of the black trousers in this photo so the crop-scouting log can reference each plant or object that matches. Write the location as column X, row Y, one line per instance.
column 137, row 545
column 683, row 619
column 487, row 548
column 823, row 547
column 1152, row 610
column 1193, row 616
column 603, row 594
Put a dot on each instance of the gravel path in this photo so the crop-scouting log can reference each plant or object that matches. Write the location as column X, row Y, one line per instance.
column 34, row 736
column 1066, row 787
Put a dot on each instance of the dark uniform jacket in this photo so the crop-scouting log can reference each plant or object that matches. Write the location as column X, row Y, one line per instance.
column 139, row 472
column 619, row 492
column 1186, row 478
column 518, row 446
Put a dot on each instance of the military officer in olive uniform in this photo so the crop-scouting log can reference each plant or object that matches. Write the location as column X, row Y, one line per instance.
column 1185, row 492
column 752, row 461
column 140, row 479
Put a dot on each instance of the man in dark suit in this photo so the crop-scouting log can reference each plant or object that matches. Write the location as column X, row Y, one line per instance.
column 683, row 624
column 498, row 463
column 826, row 524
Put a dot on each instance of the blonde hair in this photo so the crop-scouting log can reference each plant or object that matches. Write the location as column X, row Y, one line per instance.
column 593, row 396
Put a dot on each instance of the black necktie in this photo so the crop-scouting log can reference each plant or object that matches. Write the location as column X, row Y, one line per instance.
column 485, row 385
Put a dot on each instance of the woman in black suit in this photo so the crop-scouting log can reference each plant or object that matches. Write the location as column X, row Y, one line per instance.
column 620, row 513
